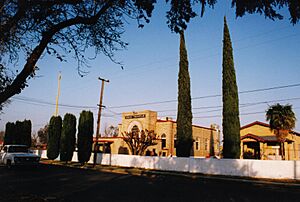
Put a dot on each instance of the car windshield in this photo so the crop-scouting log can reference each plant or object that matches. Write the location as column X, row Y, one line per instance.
column 17, row 149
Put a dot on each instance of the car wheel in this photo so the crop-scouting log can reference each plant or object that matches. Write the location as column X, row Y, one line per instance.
column 8, row 164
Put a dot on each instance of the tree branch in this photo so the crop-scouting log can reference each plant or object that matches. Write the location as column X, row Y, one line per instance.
column 19, row 82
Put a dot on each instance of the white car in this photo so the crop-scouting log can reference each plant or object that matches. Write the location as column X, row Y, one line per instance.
column 12, row 155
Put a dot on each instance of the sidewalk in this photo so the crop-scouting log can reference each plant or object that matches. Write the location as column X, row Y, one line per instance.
column 147, row 172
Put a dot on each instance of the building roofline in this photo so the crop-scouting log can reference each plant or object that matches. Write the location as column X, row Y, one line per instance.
column 265, row 125
column 197, row 126
column 262, row 138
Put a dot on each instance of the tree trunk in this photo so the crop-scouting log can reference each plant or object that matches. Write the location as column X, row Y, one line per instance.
column 282, row 151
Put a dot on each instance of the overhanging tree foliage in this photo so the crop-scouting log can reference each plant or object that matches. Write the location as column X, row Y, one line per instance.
column 54, row 133
column 85, row 136
column 68, row 139
column 231, row 120
column 69, row 27
column 184, row 111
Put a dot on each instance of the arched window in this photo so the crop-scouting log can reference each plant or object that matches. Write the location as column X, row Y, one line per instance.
column 135, row 129
column 163, row 141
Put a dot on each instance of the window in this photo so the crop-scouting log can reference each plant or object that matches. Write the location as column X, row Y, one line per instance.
column 135, row 129
column 163, row 141
column 206, row 144
column 197, row 143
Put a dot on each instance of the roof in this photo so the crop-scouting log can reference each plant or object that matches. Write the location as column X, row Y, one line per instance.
column 256, row 123
column 264, row 139
column 264, row 125
column 159, row 120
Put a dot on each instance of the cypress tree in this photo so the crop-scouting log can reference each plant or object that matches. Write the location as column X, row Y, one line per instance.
column 184, row 111
column 68, row 139
column 18, row 133
column 18, row 137
column 85, row 136
column 54, row 133
column 231, row 120
column 26, row 135
column 9, row 133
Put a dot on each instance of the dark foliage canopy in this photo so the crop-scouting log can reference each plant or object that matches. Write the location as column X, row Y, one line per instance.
column 69, row 27
column 85, row 136
column 231, row 120
column 282, row 119
column 184, row 111
column 54, row 133
column 68, row 139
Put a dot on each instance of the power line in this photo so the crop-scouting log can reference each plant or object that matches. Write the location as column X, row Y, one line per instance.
column 207, row 96
column 37, row 101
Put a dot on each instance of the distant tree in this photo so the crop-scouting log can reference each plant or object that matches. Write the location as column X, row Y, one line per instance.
column 282, row 120
column 68, row 139
column 34, row 140
column 184, row 112
column 111, row 131
column 85, row 136
column 231, row 120
column 139, row 141
column 43, row 135
column 58, row 28
column 54, row 133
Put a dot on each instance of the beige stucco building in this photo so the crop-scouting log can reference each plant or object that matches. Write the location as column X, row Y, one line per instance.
column 259, row 142
column 206, row 139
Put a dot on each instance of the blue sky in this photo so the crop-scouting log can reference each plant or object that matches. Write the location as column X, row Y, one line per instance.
column 266, row 55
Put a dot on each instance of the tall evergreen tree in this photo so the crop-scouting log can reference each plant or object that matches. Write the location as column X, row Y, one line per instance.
column 85, row 136
column 68, row 139
column 26, row 133
column 9, row 133
column 231, row 120
column 54, row 133
column 184, row 111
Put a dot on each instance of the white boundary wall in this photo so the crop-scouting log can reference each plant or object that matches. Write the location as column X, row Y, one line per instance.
column 274, row 169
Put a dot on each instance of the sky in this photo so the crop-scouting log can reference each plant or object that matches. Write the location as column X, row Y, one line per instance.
column 266, row 57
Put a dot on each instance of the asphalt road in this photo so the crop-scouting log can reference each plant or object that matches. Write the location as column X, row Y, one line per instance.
column 56, row 183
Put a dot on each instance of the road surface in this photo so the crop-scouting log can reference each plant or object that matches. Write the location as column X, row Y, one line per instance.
column 57, row 183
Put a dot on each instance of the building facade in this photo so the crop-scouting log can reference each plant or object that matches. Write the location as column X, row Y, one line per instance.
column 206, row 139
column 259, row 142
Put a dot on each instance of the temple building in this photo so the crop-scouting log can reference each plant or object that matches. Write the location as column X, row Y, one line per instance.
column 206, row 139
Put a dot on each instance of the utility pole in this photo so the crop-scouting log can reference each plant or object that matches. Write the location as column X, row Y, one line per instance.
column 58, row 93
column 99, row 118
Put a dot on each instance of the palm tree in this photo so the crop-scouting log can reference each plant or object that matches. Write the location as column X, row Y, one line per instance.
column 282, row 120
